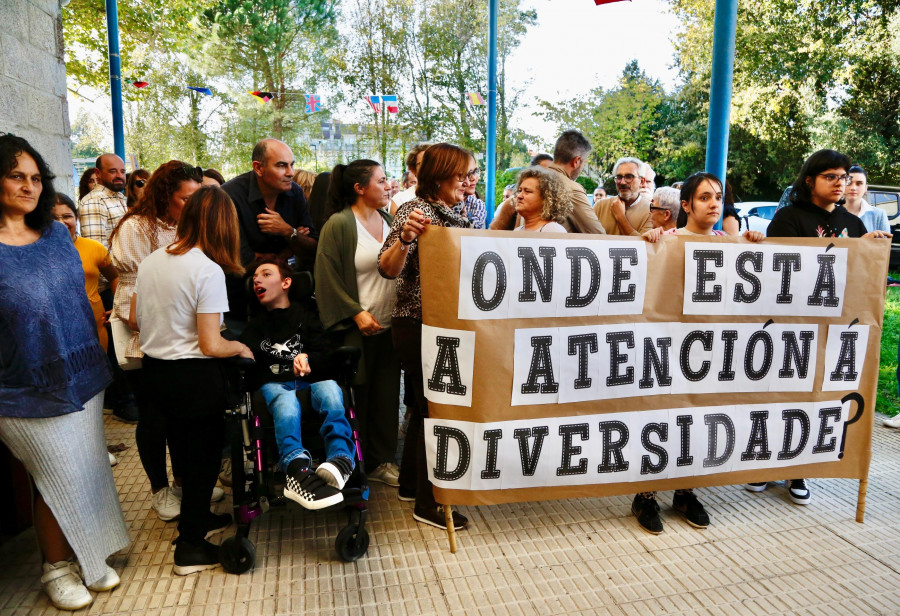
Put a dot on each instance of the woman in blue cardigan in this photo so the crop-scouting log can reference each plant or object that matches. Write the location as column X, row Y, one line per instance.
column 354, row 298
column 52, row 376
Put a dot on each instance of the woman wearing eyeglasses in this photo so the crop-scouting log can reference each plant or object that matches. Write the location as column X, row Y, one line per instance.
column 147, row 226
column 134, row 187
column 442, row 176
column 814, row 209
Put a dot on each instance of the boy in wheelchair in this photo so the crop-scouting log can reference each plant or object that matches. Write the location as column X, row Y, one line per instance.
column 289, row 346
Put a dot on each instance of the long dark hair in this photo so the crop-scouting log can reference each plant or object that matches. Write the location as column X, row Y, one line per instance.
column 344, row 178
column 11, row 148
column 318, row 199
column 153, row 205
column 814, row 165
column 84, row 183
column 689, row 187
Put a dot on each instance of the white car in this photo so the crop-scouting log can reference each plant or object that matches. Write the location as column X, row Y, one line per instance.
column 756, row 215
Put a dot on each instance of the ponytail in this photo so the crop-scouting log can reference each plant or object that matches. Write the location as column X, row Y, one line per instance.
column 341, row 185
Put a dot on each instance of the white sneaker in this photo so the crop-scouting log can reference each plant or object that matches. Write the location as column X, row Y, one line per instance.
column 112, row 459
column 217, row 493
column 387, row 473
column 166, row 504
column 893, row 422
column 64, row 586
column 109, row 580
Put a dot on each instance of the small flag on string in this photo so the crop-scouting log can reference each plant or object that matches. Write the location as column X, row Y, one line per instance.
column 313, row 103
column 206, row 91
column 263, row 96
column 475, row 98
column 375, row 102
column 140, row 84
column 391, row 101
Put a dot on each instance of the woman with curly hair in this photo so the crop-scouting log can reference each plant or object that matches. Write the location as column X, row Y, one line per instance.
column 135, row 185
column 52, row 376
column 144, row 228
column 542, row 201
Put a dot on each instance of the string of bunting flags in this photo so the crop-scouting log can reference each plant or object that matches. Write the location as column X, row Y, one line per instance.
column 313, row 102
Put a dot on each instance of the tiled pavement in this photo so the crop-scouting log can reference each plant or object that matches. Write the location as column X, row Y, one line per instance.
column 761, row 555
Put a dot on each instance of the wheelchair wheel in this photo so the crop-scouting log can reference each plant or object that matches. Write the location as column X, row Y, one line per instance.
column 352, row 542
column 237, row 554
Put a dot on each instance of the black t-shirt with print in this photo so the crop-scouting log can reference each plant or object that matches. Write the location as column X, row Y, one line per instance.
column 804, row 219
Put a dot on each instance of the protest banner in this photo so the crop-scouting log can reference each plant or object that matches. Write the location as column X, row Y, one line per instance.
column 581, row 366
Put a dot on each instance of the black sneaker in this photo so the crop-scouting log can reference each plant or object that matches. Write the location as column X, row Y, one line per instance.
column 127, row 413
column 646, row 510
column 217, row 523
column 407, row 496
column 437, row 518
column 800, row 494
column 335, row 471
column 310, row 491
column 194, row 557
column 686, row 504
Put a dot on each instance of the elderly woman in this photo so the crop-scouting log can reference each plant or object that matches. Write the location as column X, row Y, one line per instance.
column 442, row 177
column 52, row 376
column 665, row 208
column 355, row 299
column 542, row 201
column 146, row 227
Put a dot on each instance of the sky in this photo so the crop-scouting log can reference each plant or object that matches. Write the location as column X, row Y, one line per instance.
column 598, row 42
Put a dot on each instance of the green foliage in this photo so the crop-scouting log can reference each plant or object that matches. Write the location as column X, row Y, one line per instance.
column 503, row 180
column 588, row 183
column 887, row 401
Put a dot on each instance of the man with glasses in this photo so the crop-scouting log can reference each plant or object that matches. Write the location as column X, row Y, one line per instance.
column 569, row 157
column 628, row 213
column 471, row 205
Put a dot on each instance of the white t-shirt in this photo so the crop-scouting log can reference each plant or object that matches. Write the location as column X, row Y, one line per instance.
column 404, row 195
column 171, row 291
column 377, row 294
column 550, row 227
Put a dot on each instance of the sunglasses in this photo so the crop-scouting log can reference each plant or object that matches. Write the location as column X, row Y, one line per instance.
column 140, row 183
column 192, row 173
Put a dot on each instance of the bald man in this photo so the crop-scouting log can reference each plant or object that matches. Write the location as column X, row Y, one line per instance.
column 101, row 209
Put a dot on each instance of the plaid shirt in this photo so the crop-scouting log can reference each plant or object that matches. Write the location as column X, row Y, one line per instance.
column 475, row 211
column 100, row 212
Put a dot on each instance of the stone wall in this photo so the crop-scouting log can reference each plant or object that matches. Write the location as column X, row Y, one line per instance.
column 33, row 82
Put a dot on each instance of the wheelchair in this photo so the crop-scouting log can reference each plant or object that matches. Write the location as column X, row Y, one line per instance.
column 254, row 457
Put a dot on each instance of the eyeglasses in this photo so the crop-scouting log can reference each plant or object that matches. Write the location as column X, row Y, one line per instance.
column 658, row 209
column 140, row 183
column 832, row 178
column 474, row 173
column 628, row 177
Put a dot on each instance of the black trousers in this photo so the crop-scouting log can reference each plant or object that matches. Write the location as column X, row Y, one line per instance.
column 151, row 436
column 413, row 465
column 378, row 400
column 190, row 394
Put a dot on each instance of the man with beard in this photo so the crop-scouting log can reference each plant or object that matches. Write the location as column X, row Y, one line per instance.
column 102, row 208
column 629, row 212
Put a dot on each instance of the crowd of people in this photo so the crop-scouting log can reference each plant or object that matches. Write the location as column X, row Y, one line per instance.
column 166, row 256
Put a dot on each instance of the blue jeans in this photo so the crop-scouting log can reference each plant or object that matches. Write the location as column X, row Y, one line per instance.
column 327, row 400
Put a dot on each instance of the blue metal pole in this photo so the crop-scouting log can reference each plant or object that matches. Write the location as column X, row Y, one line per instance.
column 491, row 165
column 725, row 28
column 115, row 77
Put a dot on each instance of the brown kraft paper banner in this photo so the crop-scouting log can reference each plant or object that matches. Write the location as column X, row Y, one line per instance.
column 867, row 265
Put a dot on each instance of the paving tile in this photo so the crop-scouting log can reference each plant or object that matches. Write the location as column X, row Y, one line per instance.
column 580, row 556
